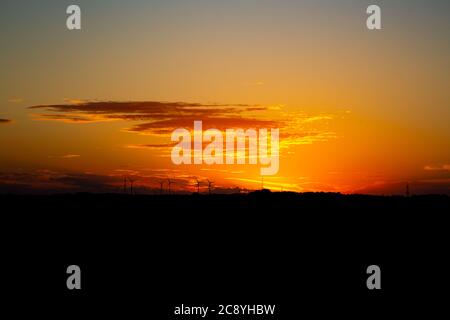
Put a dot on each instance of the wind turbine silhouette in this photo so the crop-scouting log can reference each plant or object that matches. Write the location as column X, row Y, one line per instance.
column 209, row 185
column 170, row 182
column 198, row 185
column 131, row 184
column 161, row 183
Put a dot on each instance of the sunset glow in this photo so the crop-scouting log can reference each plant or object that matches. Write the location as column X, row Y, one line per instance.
column 357, row 111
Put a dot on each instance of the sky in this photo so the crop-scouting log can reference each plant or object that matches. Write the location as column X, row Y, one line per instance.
column 358, row 110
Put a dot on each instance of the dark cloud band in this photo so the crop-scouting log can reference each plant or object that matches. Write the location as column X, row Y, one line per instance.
column 159, row 117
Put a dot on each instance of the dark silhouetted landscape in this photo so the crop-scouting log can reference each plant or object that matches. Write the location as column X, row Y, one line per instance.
column 256, row 247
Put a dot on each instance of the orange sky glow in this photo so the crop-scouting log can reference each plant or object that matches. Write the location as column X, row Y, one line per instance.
column 358, row 111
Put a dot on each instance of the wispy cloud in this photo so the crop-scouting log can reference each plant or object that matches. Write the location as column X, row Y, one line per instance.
column 157, row 117
column 16, row 100
column 50, row 181
column 161, row 118
column 145, row 182
column 66, row 156
column 74, row 101
column 423, row 186
column 151, row 146
column 5, row 121
column 444, row 167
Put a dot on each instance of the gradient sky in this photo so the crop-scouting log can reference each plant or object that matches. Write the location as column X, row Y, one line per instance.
column 358, row 110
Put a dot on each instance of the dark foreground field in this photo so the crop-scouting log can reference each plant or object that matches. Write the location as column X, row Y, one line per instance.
column 304, row 252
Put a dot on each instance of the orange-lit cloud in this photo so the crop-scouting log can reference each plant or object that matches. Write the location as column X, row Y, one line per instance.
column 158, row 119
column 151, row 146
column 423, row 186
column 16, row 100
column 444, row 167
column 52, row 181
column 66, row 156
column 161, row 118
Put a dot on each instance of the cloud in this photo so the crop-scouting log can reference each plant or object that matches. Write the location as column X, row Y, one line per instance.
column 51, row 182
column 318, row 118
column 5, row 121
column 16, row 100
column 66, row 156
column 70, row 156
column 419, row 187
column 151, row 146
column 68, row 118
column 74, row 101
column 444, row 167
column 158, row 117
column 161, row 118
column 167, row 126
column 146, row 109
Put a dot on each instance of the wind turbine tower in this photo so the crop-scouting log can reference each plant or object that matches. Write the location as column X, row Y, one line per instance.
column 198, row 185
column 161, row 184
column 131, row 184
column 209, row 186
column 170, row 183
